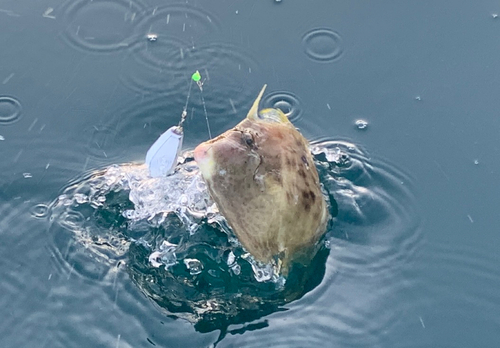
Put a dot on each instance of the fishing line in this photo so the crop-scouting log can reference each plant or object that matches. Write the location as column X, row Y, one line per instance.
column 184, row 111
column 196, row 77
column 162, row 156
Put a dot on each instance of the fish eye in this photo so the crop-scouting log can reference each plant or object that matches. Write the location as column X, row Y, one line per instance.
column 248, row 139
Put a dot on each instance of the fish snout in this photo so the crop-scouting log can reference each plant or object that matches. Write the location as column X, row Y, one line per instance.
column 203, row 155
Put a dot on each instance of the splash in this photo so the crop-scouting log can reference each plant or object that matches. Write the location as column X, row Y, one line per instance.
column 179, row 251
column 152, row 204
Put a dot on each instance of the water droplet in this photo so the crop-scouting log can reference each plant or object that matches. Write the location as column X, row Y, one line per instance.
column 361, row 124
column 152, row 37
column 231, row 258
column 48, row 13
column 185, row 25
column 10, row 110
column 322, row 45
column 286, row 102
column 39, row 210
column 101, row 142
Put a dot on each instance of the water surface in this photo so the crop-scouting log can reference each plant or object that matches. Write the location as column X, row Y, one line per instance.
column 411, row 258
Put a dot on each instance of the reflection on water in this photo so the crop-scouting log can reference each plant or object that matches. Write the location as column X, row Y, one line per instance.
column 88, row 83
column 169, row 237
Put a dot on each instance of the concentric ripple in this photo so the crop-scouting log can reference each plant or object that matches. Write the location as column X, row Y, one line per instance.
column 179, row 20
column 39, row 211
column 322, row 45
column 160, row 99
column 176, row 29
column 166, row 52
column 10, row 110
column 224, row 69
column 472, row 264
column 101, row 26
column 179, row 251
column 373, row 241
column 377, row 233
column 286, row 102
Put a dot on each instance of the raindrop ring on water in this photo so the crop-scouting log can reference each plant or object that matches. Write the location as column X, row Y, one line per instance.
column 10, row 110
column 322, row 45
column 286, row 102
column 40, row 211
column 101, row 26
column 176, row 28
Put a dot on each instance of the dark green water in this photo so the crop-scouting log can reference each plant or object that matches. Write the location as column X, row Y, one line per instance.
column 413, row 253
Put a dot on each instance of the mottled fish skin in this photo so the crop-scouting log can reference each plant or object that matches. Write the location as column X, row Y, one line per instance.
column 263, row 179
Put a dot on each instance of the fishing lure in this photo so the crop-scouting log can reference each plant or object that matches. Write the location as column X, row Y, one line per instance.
column 161, row 157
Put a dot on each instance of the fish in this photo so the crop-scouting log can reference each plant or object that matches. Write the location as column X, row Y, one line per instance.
column 262, row 177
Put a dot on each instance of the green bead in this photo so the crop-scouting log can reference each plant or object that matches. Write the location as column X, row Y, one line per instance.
column 196, row 76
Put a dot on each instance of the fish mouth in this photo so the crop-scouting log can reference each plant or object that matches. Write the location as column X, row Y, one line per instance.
column 203, row 155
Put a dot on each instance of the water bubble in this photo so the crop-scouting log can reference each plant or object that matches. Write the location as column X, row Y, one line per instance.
column 2, row 137
column 39, row 210
column 286, row 102
column 194, row 266
column 81, row 198
column 494, row 15
column 262, row 273
column 476, row 162
column 231, row 258
column 165, row 256
column 418, row 98
column 10, row 110
column 336, row 155
column 152, row 37
column 361, row 124
column 236, row 269
column 27, row 175
column 231, row 262
column 322, row 45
